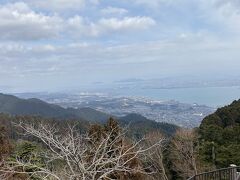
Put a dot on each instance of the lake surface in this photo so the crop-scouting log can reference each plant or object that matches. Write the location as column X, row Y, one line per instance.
column 210, row 96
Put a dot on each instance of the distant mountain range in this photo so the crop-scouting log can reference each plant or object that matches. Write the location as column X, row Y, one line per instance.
column 15, row 106
column 138, row 125
column 174, row 112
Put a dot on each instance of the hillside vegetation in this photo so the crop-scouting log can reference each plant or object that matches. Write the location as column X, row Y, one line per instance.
column 129, row 147
column 139, row 125
column 220, row 136
column 15, row 106
column 37, row 109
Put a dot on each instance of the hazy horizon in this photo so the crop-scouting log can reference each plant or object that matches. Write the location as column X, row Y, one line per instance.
column 59, row 45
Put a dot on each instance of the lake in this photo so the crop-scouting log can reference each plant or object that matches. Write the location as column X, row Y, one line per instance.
column 210, row 96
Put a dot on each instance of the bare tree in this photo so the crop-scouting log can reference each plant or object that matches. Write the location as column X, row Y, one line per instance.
column 155, row 155
column 185, row 152
column 103, row 153
column 6, row 146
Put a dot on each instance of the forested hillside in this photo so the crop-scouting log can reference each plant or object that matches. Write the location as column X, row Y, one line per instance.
column 33, row 147
column 31, row 108
column 16, row 106
column 34, row 133
column 139, row 125
column 220, row 136
column 26, row 150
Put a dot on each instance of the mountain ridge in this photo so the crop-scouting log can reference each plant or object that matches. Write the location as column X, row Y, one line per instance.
column 138, row 124
column 16, row 106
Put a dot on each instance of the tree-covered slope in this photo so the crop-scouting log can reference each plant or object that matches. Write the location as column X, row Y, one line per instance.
column 139, row 125
column 15, row 106
column 90, row 114
column 220, row 136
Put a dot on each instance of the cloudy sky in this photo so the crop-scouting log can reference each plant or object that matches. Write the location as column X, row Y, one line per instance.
column 54, row 44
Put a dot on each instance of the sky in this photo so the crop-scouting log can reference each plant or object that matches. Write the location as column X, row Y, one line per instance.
column 61, row 44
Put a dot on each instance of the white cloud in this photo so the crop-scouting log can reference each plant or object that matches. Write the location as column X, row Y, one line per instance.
column 57, row 5
column 228, row 13
column 153, row 3
column 69, row 58
column 19, row 22
column 113, row 11
column 176, row 34
column 221, row 14
column 79, row 26
column 127, row 23
column 189, row 51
